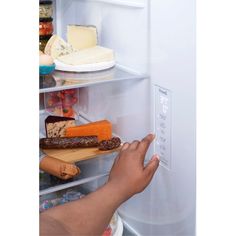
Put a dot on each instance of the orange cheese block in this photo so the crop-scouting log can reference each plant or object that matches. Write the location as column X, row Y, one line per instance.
column 102, row 129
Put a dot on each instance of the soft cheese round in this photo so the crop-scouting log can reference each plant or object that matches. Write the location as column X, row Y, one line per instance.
column 45, row 60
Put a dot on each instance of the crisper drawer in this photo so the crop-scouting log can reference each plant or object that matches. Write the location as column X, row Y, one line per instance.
column 47, row 201
column 91, row 171
column 69, row 194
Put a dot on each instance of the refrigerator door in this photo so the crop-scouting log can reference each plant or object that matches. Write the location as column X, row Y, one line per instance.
column 155, row 38
column 167, row 206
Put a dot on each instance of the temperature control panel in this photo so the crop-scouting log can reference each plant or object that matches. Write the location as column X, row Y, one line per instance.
column 163, row 125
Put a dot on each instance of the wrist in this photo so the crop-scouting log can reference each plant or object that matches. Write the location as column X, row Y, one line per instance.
column 119, row 193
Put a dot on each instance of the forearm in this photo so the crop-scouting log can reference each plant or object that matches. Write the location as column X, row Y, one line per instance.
column 87, row 216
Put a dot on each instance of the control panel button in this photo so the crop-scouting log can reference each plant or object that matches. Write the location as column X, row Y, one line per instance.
column 163, row 125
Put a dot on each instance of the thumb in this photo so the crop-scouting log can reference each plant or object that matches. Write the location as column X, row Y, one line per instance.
column 152, row 166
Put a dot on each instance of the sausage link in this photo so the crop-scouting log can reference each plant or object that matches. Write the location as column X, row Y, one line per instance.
column 69, row 142
column 109, row 144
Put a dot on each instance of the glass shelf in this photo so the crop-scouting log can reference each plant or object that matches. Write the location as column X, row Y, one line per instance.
column 61, row 80
column 128, row 3
column 91, row 170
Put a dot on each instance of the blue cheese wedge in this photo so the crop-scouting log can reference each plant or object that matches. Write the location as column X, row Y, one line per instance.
column 88, row 56
column 57, row 47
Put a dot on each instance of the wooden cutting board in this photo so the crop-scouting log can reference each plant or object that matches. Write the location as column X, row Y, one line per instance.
column 76, row 154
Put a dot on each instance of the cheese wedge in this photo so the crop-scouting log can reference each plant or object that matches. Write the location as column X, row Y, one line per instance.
column 55, row 126
column 81, row 37
column 88, row 56
column 102, row 129
column 57, row 47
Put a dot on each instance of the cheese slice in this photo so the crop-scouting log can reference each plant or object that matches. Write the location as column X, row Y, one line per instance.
column 102, row 129
column 81, row 37
column 57, row 47
column 88, row 56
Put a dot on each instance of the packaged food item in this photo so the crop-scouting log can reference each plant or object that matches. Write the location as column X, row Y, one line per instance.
column 45, row 9
column 55, row 125
column 112, row 227
column 107, row 232
column 102, row 129
column 45, row 26
column 72, row 195
column 62, row 103
column 47, row 204
column 46, row 65
column 43, row 39
column 68, row 196
column 82, row 36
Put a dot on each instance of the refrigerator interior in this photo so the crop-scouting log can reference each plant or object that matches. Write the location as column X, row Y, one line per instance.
column 123, row 27
column 154, row 39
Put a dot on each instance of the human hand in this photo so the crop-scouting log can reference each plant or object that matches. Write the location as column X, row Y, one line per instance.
column 128, row 174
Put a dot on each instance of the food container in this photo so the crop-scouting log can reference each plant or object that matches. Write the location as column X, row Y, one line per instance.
column 46, row 69
column 62, row 103
column 43, row 41
column 59, row 199
column 45, row 9
column 45, row 26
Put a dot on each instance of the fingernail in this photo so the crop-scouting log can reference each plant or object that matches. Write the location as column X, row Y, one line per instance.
column 155, row 157
column 153, row 136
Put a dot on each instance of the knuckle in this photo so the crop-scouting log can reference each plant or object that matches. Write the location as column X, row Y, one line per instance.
column 135, row 141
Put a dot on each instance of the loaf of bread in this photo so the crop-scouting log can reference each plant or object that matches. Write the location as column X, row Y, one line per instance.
column 59, row 168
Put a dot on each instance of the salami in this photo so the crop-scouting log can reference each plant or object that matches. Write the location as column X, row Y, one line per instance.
column 69, row 142
column 109, row 144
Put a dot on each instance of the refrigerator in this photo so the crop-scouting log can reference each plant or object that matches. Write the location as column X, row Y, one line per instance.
column 151, row 89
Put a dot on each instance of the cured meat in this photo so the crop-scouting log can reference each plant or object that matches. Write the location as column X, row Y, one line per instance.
column 69, row 142
column 109, row 144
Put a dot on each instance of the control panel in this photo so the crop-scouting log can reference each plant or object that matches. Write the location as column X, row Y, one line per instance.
column 163, row 125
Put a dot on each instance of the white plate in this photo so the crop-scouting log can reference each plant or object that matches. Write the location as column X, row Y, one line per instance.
column 84, row 68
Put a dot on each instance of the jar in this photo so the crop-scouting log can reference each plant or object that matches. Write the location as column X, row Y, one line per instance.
column 45, row 9
column 45, row 26
column 43, row 41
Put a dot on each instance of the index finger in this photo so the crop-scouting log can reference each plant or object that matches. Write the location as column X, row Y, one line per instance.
column 145, row 143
